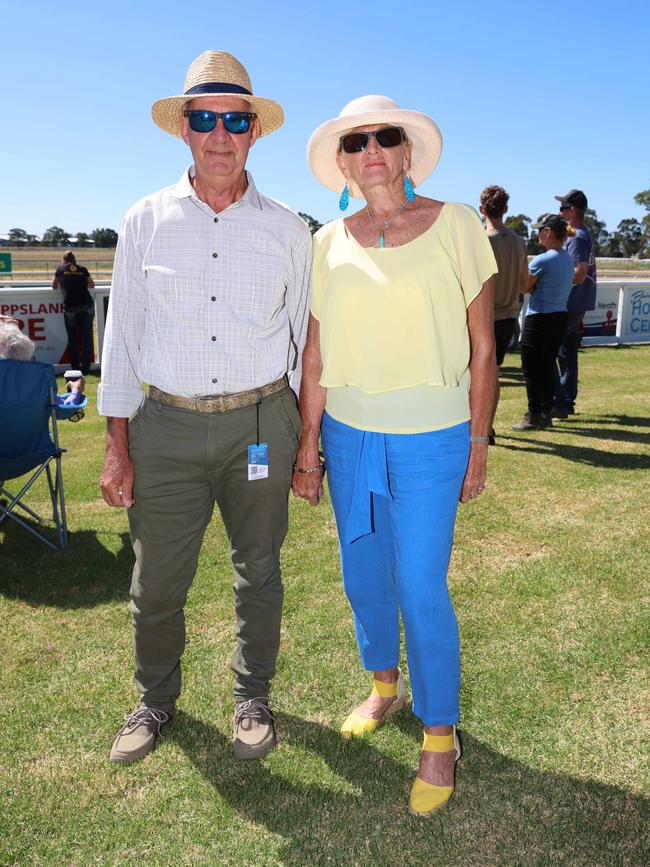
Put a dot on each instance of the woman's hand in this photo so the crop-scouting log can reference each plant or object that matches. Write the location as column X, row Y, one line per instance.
column 475, row 477
column 482, row 390
column 308, row 485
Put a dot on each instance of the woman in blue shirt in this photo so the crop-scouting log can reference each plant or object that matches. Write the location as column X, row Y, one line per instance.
column 550, row 280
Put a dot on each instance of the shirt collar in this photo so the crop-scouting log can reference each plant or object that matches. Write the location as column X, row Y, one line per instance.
column 184, row 189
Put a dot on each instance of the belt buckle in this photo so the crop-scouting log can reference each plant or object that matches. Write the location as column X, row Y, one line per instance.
column 208, row 398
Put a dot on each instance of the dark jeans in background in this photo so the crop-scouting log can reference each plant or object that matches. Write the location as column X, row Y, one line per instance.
column 504, row 330
column 565, row 372
column 79, row 323
column 540, row 341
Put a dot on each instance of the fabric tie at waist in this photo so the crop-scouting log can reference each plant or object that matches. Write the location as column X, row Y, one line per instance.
column 370, row 477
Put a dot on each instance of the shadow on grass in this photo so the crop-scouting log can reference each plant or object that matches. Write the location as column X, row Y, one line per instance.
column 623, row 420
column 84, row 575
column 502, row 811
column 580, row 454
column 602, row 433
column 511, row 376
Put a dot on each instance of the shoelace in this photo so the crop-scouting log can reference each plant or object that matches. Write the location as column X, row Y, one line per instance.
column 144, row 715
column 255, row 709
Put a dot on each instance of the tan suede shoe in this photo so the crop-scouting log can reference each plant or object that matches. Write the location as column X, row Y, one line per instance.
column 138, row 735
column 253, row 729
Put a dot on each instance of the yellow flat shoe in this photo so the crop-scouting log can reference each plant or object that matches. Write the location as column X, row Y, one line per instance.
column 426, row 798
column 356, row 726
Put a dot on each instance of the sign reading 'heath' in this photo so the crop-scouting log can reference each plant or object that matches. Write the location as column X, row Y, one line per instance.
column 634, row 308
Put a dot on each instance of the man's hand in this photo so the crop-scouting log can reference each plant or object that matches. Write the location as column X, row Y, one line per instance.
column 580, row 273
column 116, row 480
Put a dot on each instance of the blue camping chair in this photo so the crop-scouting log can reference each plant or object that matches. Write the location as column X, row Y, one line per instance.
column 29, row 441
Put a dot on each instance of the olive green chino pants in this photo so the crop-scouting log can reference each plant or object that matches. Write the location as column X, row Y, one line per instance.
column 185, row 461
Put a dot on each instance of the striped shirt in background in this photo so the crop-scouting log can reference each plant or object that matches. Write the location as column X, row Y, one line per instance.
column 204, row 303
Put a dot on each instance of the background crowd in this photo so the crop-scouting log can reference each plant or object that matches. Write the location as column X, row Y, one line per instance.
column 561, row 283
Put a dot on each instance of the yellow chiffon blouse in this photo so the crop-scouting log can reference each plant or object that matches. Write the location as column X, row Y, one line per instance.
column 393, row 322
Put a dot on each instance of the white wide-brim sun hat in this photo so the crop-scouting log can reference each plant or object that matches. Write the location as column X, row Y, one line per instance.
column 423, row 132
column 216, row 73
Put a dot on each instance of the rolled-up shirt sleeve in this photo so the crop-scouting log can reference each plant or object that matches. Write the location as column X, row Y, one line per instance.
column 297, row 300
column 120, row 392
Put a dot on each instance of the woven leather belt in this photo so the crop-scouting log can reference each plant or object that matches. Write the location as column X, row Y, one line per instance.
column 219, row 402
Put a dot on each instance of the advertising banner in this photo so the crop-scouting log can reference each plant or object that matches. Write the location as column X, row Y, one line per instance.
column 39, row 311
column 40, row 316
column 602, row 321
column 634, row 318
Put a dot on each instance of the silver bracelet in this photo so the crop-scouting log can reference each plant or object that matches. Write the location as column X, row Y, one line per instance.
column 474, row 438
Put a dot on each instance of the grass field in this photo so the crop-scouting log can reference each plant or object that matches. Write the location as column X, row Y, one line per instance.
column 39, row 263
column 549, row 578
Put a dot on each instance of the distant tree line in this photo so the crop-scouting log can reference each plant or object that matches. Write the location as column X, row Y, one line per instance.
column 55, row 236
column 631, row 238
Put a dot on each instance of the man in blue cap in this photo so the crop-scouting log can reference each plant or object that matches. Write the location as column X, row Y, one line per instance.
column 573, row 207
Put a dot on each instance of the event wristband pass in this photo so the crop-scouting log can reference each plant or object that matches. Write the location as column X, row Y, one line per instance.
column 258, row 461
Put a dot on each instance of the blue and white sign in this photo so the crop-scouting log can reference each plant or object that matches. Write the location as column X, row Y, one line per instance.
column 602, row 321
column 634, row 314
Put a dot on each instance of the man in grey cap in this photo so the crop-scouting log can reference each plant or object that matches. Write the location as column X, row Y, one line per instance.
column 583, row 297
column 208, row 306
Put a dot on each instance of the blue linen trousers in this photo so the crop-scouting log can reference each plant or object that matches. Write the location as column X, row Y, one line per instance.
column 395, row 498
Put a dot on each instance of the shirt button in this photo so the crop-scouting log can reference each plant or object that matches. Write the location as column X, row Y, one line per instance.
column 214, row 379
column 214, row 255
column 214, row 338
column 216, row 219
column 214, row 298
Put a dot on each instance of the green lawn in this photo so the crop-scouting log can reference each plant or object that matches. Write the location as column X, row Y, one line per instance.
column 549, row 578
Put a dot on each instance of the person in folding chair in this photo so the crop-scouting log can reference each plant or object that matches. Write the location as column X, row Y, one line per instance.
column 29, row 441
column 29, row 444
column 17, row 346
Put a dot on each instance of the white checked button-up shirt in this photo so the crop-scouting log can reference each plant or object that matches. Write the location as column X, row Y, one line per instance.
column 204, row 303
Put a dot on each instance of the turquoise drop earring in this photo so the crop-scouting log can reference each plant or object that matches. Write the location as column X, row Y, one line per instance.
column 344, row 201
column 409, row 192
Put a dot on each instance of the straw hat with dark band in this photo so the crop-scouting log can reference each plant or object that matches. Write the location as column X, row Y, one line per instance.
column 379, row 111
column 216, row 73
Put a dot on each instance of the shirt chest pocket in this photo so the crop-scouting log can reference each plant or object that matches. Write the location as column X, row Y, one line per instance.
column 173, row 285
column 255, row 285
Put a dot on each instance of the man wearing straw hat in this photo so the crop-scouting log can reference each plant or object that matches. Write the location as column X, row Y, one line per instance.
column 208, row 307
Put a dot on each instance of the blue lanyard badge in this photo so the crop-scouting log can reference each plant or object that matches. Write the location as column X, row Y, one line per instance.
column 258, row 461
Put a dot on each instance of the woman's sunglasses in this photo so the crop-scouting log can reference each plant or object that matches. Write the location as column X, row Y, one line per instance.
column 388, row 137
column 235, row 122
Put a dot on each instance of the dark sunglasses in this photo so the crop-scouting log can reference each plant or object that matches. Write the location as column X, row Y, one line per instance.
column 388, row 137
column 566, row 207
column 235, row 122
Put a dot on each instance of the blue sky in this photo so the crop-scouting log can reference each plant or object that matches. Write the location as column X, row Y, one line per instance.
column 536, row 97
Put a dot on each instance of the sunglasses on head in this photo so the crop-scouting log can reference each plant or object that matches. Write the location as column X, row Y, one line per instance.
column 387, row 137
column 235, row 122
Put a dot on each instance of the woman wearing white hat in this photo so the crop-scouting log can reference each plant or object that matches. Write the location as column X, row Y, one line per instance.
column 401, row 324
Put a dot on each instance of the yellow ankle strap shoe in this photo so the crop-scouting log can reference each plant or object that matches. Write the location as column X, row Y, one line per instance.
column 425, row 797
column 356, row 726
